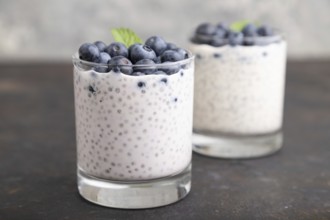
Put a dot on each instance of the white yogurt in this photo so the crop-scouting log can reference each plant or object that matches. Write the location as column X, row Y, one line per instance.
column 240, row 89
column 133, row 127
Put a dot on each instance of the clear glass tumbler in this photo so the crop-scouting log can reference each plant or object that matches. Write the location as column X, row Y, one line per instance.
column 238, row 104
column 133, row 133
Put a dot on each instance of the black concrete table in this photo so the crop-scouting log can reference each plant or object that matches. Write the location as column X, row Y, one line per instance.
column 38, row 159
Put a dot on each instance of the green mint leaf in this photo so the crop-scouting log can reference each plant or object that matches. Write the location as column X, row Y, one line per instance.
column 125, row 36
column 239, row 25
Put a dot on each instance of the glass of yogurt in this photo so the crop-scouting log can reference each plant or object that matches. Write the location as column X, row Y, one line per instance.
column 133, row 129
column 239, row 90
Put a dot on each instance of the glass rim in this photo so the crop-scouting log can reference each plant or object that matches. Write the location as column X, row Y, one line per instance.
column 75, row 59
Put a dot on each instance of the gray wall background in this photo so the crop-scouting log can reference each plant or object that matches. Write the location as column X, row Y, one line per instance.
column 53, row 30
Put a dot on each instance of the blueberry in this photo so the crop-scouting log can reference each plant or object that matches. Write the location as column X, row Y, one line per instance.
column 208, row 34
column 218, row 42
column 91, row 89
column 202, row 39
column 265, row 31
column 104, row 59
column 171, row 46
column 170, row 68
column 121, row 64
column 89, row 52
column 171, row 56
column 221, row 33
column 131, row 48
column 156, row 43
column 249, row 30
column 141, row 84
column 249, row 41
column 148, row 68
column 235, row 38
column 101, row 45
column 223, row 26
column 140, row 52
column 183, row 52
column 164, row 80
column 206, row 29
column 117, row 49
column 204, row 33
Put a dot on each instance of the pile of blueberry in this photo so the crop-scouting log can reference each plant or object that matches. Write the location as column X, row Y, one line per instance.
column 138, row 59
column 220, row 35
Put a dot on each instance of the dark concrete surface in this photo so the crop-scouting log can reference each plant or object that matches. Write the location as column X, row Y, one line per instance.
column 38, row 161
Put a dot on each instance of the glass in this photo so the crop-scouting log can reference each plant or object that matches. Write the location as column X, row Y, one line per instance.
column 133, row 133
column 238, row 104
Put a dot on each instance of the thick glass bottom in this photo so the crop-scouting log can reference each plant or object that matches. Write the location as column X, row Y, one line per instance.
column 236, row 146
column 135, row 195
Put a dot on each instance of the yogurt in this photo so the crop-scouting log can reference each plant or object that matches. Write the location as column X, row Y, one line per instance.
column 133, row 127
column 240, row 89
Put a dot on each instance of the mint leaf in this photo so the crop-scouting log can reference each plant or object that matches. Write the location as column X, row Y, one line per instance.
column 125, row 36
column 239, row 25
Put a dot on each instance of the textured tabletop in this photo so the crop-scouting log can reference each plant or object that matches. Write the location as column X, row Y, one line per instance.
column 38, row 158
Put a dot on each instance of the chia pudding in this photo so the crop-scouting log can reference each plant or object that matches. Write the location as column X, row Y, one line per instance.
column 134, row 120
column 239, row 81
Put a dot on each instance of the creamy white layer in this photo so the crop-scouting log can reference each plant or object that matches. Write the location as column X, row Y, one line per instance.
column 239, row 89
column 133, row 127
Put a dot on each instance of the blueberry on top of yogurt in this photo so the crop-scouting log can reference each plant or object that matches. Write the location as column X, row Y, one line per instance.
column 238, row 33
column 171, row 56
column 249, row 30
column 156, row 43
column 116, row 49
column 89, row 52
column 128, row 55
column 121, row 64
column 100, row 45
column 235, row 38
column 145, row 66
column 104, row 59
column 265, row 31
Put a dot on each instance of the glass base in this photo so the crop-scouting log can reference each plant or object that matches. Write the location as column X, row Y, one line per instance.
column 237, row 147
column 135, row 195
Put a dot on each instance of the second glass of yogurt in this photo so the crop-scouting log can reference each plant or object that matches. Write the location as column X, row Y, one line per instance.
column 134, row 130
column 239, row 91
